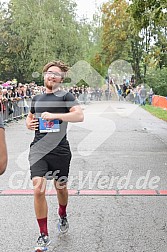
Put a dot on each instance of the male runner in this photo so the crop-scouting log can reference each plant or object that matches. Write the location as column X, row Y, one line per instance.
column 50, row 152
column 3, row 149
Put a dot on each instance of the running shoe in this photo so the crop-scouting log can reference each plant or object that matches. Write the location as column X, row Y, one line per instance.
column 42, row 243
column 63, row 225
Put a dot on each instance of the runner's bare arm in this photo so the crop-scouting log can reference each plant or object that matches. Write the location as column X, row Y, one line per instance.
column 74, row 115
column 3, row 152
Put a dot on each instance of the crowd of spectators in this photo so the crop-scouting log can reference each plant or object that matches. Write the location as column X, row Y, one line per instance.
column 15, row 99
column 137, row 94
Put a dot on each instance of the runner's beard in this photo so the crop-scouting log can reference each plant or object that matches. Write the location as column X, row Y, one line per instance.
column 51, row 85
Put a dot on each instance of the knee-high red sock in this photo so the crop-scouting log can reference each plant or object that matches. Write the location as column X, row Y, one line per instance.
column 43, row 226
column 62, row 210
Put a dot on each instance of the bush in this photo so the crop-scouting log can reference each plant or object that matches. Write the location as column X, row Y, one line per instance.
column 157, row 79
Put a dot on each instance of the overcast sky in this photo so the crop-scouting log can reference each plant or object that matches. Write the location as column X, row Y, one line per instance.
column 88, row 7
column 85, row 7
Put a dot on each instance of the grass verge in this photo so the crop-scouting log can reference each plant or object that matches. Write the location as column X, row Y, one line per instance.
column 158, row 112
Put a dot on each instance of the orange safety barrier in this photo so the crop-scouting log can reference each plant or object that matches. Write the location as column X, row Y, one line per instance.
column 159, row 101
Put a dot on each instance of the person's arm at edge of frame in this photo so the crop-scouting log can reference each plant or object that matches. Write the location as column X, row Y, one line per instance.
column 75, row 114
column 3, row 152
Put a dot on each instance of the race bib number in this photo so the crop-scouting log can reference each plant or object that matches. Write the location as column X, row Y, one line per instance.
column 48, row 125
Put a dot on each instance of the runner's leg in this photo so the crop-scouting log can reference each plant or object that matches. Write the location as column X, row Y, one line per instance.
column 40, row 204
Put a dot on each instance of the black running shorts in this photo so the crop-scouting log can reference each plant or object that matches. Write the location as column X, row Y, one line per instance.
column 54, row 164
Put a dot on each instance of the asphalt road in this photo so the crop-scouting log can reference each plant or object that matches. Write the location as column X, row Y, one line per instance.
column 119, row 146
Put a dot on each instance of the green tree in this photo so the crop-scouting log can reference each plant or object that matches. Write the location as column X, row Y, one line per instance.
column 120, row 40
column 35, row 32
column 115, row 21
column 156, row 78
column 150, row 21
